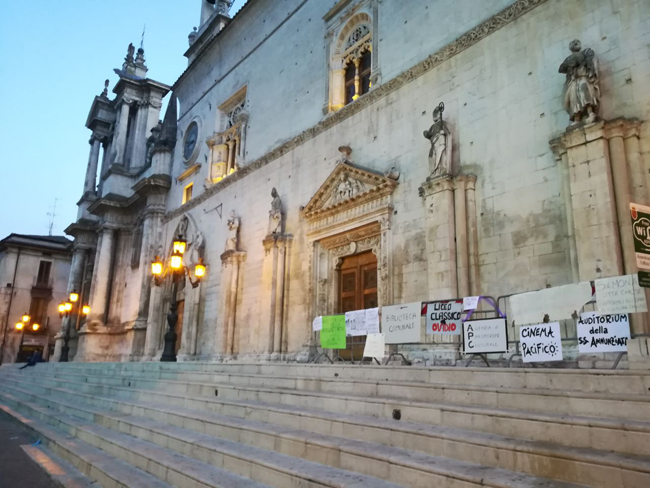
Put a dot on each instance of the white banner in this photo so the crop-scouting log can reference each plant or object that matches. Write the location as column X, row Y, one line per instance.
column 559, row 302
column 444, row 317
column 621, row 294
column 541, row 342
column 355, row 323
column 372, row 320
column 401, row 323
column 603, row 333
column 485, row 336
column 317, row 324
column 375, row 346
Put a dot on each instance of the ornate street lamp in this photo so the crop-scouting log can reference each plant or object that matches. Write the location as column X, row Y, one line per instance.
column 177, row 270
column 70, row 309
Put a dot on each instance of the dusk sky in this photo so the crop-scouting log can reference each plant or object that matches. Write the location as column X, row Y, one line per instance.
column 55, row 58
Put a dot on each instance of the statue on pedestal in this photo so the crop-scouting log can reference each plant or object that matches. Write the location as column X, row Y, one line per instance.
column 440, row 138
column 582, row 90
column 275, row 214
column 232, row 242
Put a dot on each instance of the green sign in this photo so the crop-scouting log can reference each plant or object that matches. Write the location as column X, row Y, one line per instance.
column 333, row 334
column 641, row 231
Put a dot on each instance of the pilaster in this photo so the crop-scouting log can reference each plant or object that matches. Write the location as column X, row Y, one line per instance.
column 227, row 318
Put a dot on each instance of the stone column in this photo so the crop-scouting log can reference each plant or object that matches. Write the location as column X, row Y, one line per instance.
column 462, row 242
column 438, row 194
column 93, row 162
column 155, row 320
column 119, row 140
column 101, row 275
column 227, row 319
column 472, row 231
column 77, row 267
column 338, row 89
column 151, row 226
column 638, row 172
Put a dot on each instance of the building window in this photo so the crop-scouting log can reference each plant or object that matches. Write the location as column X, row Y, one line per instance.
column 43, row 276
column 227, row 147
column 38, row 310
column 187, row 193
column 351, row 62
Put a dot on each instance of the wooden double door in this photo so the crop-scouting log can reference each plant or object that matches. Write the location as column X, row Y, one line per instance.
column 357, row 291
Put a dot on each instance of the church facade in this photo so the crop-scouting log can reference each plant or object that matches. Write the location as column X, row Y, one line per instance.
column 326, row 156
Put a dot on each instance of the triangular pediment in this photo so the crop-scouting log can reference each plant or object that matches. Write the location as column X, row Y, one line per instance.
column 347, row 187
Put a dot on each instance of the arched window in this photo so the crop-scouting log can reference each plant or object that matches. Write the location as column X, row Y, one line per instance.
column 351, row 62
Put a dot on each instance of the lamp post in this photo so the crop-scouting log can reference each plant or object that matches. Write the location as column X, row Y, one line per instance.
column 177, row 270
column 68, row 309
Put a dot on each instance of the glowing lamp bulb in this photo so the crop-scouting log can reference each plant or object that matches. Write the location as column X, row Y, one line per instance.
column 157, row 267
column 26, row 318
column 68, row 306
column 176, row 261
column 179, row 246
column 85, row 310
column 36, row 327
column 19, row 326
column 74, row 296
column 61, row 307
column 199, row 270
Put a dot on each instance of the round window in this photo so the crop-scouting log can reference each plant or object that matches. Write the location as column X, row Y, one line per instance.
column 191, row 136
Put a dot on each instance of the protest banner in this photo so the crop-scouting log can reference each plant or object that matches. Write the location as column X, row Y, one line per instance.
column 317, row 324
column 401, row 323
column 372, row 320
column 558, row 302
column 470, row 303
column 375, row 346
column 541, row 342
column 603, row 333
column 444, row 317
column 485, row 336
column 620, row 294
column 332, row 336
column 355, row 323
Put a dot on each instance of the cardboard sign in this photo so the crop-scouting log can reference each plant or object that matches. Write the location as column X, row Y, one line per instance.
column 332, row 336
column 375, row 346
column 559, row 302
column 603, row 333
column 485, row 336
column 444, row 317
column 641, row 232
column 621, row 294
column 372, row 320
column 541, row 342
column 355, row 323
column 317, row 324
column 470, row 303
column 401, row 323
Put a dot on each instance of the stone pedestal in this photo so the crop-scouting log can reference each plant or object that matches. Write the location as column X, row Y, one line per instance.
column 231, row 262
column 275, row 278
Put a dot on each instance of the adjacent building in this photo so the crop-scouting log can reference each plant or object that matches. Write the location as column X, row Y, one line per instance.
column 326, row 156
column 34, row 273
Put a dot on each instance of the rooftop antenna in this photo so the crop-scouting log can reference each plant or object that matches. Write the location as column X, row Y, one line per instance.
column 52, row 214
column 144, row 27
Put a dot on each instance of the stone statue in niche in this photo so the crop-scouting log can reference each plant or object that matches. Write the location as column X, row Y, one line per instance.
column 197, row 248
column 232, row 242
column 181, row 228
column 275, row 214
column 440, row 137
column 581, row 90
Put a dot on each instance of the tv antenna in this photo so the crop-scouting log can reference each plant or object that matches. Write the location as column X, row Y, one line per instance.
column 51, row 215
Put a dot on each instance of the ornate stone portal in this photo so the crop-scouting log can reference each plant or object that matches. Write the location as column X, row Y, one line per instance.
column 350, row 214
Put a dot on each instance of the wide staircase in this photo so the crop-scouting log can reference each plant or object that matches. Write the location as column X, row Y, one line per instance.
column 203, row 425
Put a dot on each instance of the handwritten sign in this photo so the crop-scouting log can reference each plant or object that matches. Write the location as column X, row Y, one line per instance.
column 603, row 333
column 317, row 324
column 375, row 346
column 401, row 323
column 372, row 320
column 332, row 336
column 621, row 294
column 485, row 336
column 541, row 342
column 470, row 303
column 444, row 317
column 355, row 323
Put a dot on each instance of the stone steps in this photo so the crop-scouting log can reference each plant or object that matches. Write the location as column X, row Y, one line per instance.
column 391, row 463
column 62, row 473
column 101, row 467
column 590, row 467
column 187, row 458
column 603, row 381
column 585, row 432
column 265, row 389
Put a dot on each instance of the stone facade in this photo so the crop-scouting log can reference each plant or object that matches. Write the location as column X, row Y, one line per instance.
column 526, row 201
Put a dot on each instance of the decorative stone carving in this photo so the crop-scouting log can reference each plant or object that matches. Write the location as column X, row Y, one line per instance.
column 345, row 151
column 440, row 138
column 392, row 173
column 232, row 242
column 582, row 89
column 181, row 228
column 197, row 248
column 275, row 214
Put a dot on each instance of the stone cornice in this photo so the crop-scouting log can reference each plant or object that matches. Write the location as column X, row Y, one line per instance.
column 475, row 35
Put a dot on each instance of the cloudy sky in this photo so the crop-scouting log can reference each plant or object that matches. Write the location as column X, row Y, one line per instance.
column 55, row 58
